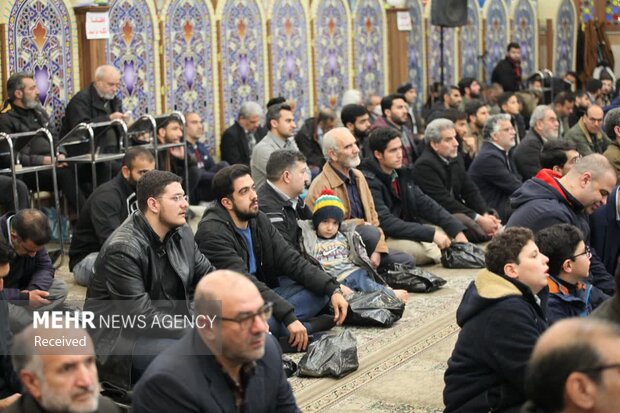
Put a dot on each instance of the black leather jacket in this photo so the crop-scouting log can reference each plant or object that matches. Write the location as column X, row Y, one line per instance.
column 134, row 264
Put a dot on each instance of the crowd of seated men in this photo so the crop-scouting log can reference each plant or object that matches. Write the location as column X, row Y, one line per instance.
column 296, row 219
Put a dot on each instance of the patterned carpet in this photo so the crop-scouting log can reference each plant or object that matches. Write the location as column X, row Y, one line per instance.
column 401, row 368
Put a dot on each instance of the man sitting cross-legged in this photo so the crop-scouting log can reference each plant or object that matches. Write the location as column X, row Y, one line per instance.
column 235, row 235
column 402, row 206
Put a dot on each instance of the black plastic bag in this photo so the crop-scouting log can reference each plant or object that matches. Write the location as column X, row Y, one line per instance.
column 463, row 255
column 375, row 309
column 290, row 367
column 414, row 280
column 334, row 356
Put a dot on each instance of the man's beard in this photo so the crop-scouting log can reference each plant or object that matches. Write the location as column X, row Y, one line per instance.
column 353, row 162
column 55, row 402
column 31, row 103
column 361, row 135
column 244, row 216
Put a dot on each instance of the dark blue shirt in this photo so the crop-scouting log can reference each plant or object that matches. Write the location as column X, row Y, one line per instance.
column 247, row 235
column 355, row 202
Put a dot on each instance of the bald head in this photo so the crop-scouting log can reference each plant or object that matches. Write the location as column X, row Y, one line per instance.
column 596, row 164
column 564, row 372
column 580, row 331
column 224, row 286
column 590, row 181
column 107, row 81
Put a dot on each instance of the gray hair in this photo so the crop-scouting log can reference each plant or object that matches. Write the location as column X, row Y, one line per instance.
column 538, row 114
column 434, row 129
column 352, row 96
column 101, row 71
column 250, row 108
column 16, row 82
column 612, row 119
column 492, row 125
column 329, row 143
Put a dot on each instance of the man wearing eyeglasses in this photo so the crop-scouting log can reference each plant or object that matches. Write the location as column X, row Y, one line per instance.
column 233, row 364
column 152, row 263
column 587, row 133
column 576, row 375
column 31, row 279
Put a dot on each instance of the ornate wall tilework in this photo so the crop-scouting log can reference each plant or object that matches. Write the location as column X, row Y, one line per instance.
column 332, row 57
column 369, row 45
column 40, row 42
column 496, row 34
column 566, row 27
column 132, row 50
column 470, row 42
column 524, row 29
column 434, row 55
column 189, row 30
column 612, row 12
column 243, row 49
column 290, row 55
column 587, row 10
column 415, row 52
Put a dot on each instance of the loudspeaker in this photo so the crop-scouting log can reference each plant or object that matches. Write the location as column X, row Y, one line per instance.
column 449, row 13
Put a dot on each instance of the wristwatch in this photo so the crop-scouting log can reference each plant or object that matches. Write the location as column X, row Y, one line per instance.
column 338, row 291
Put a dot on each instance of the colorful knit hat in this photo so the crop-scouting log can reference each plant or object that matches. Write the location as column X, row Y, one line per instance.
column 327, row 205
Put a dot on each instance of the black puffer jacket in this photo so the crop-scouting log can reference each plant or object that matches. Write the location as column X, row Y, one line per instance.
column 20, row 120
column 404, row 217
column 226, row 248
column 135, row 265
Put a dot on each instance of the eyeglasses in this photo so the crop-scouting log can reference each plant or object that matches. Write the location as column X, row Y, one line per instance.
column 601, row 367
column 246, row 321
column 175, row 198
column 587, row 253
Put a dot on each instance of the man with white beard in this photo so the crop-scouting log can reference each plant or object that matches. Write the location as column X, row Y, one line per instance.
column 97, row 102
column 57, row 378
column 348, row 183
column 544, row 126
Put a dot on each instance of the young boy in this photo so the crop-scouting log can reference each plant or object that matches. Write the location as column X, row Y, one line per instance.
column 570, row 295
column 339, row 249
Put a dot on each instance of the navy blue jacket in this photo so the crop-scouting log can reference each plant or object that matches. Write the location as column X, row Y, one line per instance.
column 527, row 154
column 542, row 202
column 605, row 237
column 491, row 173
column 187, row 378
column 562, row 304
column 27, row 273
column 500, row 323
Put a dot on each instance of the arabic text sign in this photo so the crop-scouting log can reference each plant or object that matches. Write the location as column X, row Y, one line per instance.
column 97, row 26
